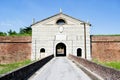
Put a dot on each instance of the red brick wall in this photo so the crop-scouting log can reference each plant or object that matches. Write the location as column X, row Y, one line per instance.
column 13, row 49
column 106, row 48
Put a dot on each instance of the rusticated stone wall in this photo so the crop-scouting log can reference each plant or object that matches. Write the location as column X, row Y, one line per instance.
column 105, row 48
column 14, row 49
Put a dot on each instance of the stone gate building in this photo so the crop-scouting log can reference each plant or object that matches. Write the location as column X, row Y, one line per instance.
column 60, row 35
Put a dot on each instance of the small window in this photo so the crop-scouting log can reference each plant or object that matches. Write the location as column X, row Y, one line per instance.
column 60, row 22
column 79, row 52
column 42, row 50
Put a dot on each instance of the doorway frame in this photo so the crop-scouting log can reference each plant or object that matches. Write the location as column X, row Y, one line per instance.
column 65, row 51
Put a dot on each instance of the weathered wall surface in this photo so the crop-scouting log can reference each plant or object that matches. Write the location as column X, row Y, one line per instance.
column 106, row 48
column 13, row 49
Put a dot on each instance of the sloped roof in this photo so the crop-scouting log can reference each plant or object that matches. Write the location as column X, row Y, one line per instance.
column 60, row 14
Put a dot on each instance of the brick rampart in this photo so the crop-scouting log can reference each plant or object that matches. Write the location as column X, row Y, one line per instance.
column 105, row 48
column 13, row 49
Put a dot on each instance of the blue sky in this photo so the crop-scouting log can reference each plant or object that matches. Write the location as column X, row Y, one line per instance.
column 104, row 15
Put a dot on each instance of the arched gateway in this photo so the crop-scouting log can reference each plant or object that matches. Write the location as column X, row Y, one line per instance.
column 60, row 35
column 60, row 49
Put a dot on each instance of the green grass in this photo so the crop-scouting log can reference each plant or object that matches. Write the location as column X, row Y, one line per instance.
column 115, row 65
column 4, row 68
column 25, row 34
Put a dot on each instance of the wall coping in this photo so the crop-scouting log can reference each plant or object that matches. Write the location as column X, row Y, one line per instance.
column 8, row 39
column 104, row 72
column 25, row 72
column 106, row 38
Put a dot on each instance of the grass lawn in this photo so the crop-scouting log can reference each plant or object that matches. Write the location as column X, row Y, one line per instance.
column 115, row 65
column 4, row 68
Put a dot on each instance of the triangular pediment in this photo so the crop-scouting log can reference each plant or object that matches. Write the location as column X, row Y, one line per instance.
column 52, row 20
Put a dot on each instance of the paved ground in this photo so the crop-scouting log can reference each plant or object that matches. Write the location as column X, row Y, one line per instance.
column 60, row 68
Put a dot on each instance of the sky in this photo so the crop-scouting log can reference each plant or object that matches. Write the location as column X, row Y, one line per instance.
column 104, row 15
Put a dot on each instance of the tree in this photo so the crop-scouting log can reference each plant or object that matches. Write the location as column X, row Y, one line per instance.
column 12, row 33
column 27, row 30
column 3, row 34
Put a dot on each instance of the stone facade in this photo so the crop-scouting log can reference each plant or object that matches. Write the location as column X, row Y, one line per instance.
column 60, row 29
column 60, row 33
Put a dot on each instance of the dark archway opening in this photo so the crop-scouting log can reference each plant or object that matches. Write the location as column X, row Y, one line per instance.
column 79, row 52
column 42, row 50
column 60, row 49
column 60, row 22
